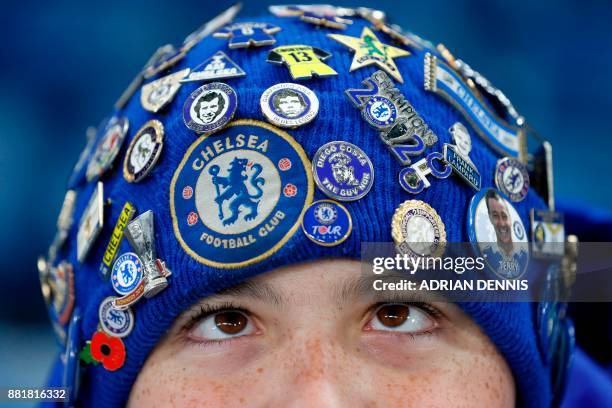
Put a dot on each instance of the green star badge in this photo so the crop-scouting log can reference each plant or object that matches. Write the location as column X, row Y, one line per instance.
column 369, row 50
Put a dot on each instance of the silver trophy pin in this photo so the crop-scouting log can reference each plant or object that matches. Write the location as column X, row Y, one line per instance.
column 140, row 234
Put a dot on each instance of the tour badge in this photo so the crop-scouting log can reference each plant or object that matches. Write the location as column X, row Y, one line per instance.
column 497, row 233
column 342, row 171
column 115, row 322
column 127, row 273
column 239, row 195
column 512, row 178
column 144, row 151
column 289, row 105
column 107, row 148
column 418, row 230
column 327, row 223
column 210, row 107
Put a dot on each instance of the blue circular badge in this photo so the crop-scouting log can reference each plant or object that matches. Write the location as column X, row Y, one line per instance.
column 497, row 233
column 113, row 321
column 342, row 171
column 512, row 178
column 327, row 223
column 237, row 197
column 210, row 107
column 380, row 112
column 127, row 273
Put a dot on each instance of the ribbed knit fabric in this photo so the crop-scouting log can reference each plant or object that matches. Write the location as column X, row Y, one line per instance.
column 509, row 325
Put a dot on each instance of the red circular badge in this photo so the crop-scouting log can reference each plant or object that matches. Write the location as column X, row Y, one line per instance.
column 290, row 190
column 187, row 192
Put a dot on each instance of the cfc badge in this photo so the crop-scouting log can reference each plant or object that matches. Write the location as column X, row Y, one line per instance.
column 127, row 273
column 327, row 223
column 249, row 187
column 512, row 178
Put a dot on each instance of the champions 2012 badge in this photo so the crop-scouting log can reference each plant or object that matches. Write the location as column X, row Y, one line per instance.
column 210, row 107
column 498, row 234
column 327, row 223
column 127, row 273
column 342, row 171
column 115, row 322
column 289, row 105
column 239, row 195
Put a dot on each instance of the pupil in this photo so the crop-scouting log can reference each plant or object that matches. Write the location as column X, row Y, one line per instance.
column 105, row 349
column 393, row 315
column 230, row 322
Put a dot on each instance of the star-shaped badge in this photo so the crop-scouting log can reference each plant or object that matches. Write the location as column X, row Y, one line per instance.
column 369, row 50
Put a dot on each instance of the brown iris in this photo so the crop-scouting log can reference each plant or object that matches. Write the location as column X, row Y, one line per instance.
column 230, row 322
column 393, row 315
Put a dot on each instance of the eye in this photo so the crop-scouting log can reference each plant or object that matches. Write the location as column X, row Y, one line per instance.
column 223, row 325
column 401, row 318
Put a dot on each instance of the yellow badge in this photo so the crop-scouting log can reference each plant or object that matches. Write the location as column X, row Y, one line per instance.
column 126, row 215
column 369, row 50
column 303, row 61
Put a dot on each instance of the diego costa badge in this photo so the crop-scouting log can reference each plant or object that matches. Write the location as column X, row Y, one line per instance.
column 327, row 223
column 343, row 171
column 113, row 321
column 210, row 107
column 127, row 273
column 237, row 197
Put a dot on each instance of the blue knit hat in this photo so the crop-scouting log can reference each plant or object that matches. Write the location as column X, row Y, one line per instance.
column 199, row 269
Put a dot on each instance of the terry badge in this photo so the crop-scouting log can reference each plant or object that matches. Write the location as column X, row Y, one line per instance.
column 369, row 50
column 498, row 234
column 236, row 198
column 91, row 222
column 107, row 148
column 547, row 233
column 327, row 223
column 115, row 322
column 155, row 95
column 144, row 151
column 512, row 178
column 384, row 107
column 210, row 107
column 418, row 230
column 289, row 105
column 457, row 155
column 303, row 61
column 342, row 171
column 217, row 67
column 242, row 35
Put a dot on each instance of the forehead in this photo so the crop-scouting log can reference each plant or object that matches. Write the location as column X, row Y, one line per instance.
column 496, row 204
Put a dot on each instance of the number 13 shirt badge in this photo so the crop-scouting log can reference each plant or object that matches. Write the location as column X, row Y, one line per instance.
column 303, row 61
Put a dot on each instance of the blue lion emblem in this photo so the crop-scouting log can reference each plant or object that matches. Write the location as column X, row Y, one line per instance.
column 235, row 189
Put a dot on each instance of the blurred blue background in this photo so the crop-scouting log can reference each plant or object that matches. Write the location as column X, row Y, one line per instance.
column 64, row 63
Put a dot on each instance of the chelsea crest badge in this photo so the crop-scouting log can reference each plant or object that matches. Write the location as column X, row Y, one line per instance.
column 238, row 195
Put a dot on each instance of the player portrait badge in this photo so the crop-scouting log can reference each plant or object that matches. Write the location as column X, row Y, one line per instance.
column 210, row 107
column 327, row 223
column 238, row 195
column 457, row 155
column 343, row 171
column 107, row 147
column 115, row 322
column 289, row 105
column 498, row 234
column 418, row 230
column 512, row 178
column 155, row 95
column 143, row 152
column 127, row 273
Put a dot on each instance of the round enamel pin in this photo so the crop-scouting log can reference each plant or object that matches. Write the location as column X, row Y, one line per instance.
column 210, row 107
column 498, row 234
column 418, row 230
column 327, row 223
column 289, row 105
column 58, row 291
column 380, row 112
column 144, row 151
column 512, row 178
column 342, row 171
column 113, row 321
column 107, row 147
column 237, row 197
column 127, row 273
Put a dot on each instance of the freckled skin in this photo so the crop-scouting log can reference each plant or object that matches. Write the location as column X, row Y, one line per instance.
column 314, row 353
